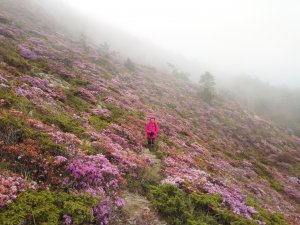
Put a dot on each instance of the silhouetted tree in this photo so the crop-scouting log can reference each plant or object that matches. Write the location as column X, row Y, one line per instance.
column 176, row 72
column 129, row 65
column 83, row 42
column 207, row 82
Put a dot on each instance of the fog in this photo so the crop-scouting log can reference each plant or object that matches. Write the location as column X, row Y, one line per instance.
column 251, row 47
column 259, row 38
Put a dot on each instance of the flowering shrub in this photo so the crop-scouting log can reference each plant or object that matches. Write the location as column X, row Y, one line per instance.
column 6, row 33
column 27, row 160
column 183, row 175
column 11, row 186
column 93, row 171
column 86, row 95
column 101, row 112
column 27, row 53
column 69, row 140
column 95, row 175
column 180, row 208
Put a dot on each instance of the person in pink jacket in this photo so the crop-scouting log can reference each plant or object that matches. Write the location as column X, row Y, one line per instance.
column 151, row 130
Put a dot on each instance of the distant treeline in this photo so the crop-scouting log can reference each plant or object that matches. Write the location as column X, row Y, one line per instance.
column 280, row 104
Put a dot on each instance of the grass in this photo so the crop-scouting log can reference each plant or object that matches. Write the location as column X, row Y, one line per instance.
column 15, row 101
column 295, row 170
column 181, row 208
column 65, row 122
column 97, row 122
column 167, row 140
column 76, row 102
column 116, row 113
column 264, row 173
column 14, row 131
column 142, row 182
column 158, row 152
column 108, row 76
column 10, row 56
column 264, row 216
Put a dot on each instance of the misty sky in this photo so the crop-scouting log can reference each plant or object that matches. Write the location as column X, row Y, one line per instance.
column 260, row 38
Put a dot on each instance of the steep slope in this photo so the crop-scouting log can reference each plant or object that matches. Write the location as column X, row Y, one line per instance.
column 72, row 121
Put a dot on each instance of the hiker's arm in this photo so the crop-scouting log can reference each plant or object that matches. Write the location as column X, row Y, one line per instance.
column 147, row 128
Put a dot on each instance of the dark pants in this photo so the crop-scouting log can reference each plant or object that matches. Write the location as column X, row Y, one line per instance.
column 151, row 141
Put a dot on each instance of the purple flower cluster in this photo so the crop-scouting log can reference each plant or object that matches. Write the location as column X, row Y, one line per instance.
column 94, row 174
column 68, row 219
column 11, row 186
column 38, row 83
column 185, row 175
column 101, row 112
column 235, row 200
column 69, row 140
column 93, row 171
column 6, row 33
column 87, row 95
column 27, row 53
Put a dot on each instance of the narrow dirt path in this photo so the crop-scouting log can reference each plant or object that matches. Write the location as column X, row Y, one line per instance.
column 138, row 208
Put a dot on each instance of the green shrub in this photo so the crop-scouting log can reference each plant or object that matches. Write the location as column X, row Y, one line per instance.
column 264, row 173
column 76, row 102
column 172, row 203
column 12, row 58
column 180, row 208
column 48, row 207
column 144, row 179
column 65, row 122
column 108, row 76
column 167, row 140
column 264, row 216
column 79, row 82
column 295, row 170
column 47, row 146
column 184, row 115
column 141, row 114
column 158, row 152
column 116, row 113
column 171, row 106
column 97, row 122
column 15, row 101
column 13, row 130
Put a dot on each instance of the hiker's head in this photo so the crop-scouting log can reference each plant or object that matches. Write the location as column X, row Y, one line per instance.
column 152, row 119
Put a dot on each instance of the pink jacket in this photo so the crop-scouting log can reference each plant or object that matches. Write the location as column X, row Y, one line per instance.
column 151, row 127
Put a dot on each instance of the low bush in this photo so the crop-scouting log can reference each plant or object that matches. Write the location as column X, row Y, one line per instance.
column 116, row 111
column 180, row 208
column 264, row 216
column 12, row 58
column 13, row 130
column 48, row 207
column 76, row 102
column 168, row 140
column 142, row 182
column 295, row 170
column 97, row 122
column 65, row 122
column 264, row 173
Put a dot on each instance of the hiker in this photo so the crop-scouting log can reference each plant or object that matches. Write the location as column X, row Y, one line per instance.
column 151, row 131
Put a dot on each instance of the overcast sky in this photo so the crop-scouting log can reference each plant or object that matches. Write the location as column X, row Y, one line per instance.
column 254, row 37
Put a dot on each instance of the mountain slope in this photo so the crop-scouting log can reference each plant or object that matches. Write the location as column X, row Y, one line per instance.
column 72, row 121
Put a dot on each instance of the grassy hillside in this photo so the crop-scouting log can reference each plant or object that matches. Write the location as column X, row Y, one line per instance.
column 72, row 141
